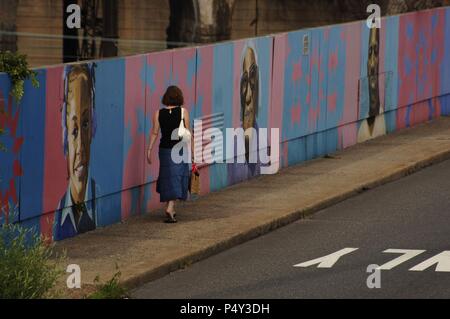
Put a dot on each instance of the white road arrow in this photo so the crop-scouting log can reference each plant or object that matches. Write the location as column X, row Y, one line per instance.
column 329, row 260
column 407, row 255
column 442, row 260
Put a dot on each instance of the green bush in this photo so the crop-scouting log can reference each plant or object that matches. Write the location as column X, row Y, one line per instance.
column 16, row 66
column 27, row 268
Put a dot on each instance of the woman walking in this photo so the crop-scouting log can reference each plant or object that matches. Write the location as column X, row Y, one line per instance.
column 173, row 180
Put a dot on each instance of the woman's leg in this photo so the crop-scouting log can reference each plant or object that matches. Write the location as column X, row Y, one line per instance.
column 171, row 207
column 170, row 212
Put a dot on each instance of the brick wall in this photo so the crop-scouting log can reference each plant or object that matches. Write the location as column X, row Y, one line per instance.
column 41, row 17
column 145, row 21
column 288, row 15
column 8, row 25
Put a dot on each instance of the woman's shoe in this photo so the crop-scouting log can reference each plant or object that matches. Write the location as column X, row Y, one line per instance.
column 170, row 218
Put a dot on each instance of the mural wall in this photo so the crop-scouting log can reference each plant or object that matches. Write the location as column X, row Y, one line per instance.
column 76, row 146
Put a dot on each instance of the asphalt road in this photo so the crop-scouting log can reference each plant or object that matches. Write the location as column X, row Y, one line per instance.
column 412, row 213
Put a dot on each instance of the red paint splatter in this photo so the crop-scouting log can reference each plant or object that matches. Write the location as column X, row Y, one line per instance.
column 17, row 168
column 321, row 94
column 9, row 122
column 17, row 144
column 313, row 116
column 296, row 114
column 332, row 101
column 308, row 79
column 333, row 61
column 297, row 72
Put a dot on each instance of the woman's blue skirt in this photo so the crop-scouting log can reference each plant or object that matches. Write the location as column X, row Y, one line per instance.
column 173, row 180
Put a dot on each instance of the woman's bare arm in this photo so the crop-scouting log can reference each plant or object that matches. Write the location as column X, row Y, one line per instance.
column 153, row 136
column 187, row 124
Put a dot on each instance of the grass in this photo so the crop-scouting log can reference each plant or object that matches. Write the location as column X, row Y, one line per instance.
column 109, row 290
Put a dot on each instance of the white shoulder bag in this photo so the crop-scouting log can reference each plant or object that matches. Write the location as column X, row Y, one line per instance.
column 183, row 132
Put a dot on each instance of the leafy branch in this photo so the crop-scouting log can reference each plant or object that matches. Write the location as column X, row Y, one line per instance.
column 16, row 66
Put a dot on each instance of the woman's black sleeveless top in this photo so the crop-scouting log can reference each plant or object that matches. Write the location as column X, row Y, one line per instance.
column 169, row 120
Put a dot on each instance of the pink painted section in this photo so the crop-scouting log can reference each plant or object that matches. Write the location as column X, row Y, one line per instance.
column 297, row 73
column 424, row 50
column 205, row 71
column 158, row 78
column 348, row 133
column 437, row 55
column 436, row 107
column 419, row 113
column 133, row 174
column 55, row 164
column 407, row 70
column 183, row 74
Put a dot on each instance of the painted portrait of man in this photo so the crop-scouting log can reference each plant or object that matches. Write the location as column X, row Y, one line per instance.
column 76, row 212
column 247, row 163
column 375, row 124
column 249, row 96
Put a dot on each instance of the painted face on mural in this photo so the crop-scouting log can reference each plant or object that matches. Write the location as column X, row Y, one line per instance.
column 79, row 132
column 372, row 72
column 249, row 94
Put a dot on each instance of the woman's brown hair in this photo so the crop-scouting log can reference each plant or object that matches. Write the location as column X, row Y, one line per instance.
column 173, row 96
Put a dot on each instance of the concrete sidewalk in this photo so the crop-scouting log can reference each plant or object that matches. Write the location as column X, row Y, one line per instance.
column 144, row 248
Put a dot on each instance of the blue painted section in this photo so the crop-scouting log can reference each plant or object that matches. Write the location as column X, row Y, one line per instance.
column 107, row 145
column 336, row 76
column 445, row 104
column 296, row 151
column 390, row 118
column 222, row 102
column 311, row 146
column 319, row 70
column 391, row 62
column 108, row 209
column 332, row 140
column 321, row 146
column 445, row 72
column 297, row 87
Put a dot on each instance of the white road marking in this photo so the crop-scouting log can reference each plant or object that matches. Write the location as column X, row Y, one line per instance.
column 407, row 255
column 442, row 260
column 327, row 261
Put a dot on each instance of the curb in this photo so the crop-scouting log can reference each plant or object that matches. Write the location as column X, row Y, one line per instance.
column 288, row 218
